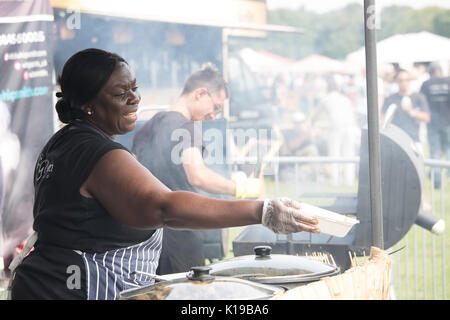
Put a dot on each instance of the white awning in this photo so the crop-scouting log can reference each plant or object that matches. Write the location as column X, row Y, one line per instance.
column 408, row 48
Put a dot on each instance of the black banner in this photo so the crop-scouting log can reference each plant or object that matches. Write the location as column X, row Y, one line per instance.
column 26, row 112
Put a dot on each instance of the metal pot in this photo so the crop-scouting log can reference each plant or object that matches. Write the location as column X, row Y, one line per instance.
column 199, row 284
column 286, row 271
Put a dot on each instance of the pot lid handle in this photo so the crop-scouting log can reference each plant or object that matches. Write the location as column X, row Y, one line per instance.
column 262, row 251
column 200, row 273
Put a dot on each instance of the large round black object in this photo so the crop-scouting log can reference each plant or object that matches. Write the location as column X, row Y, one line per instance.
column 402, row 178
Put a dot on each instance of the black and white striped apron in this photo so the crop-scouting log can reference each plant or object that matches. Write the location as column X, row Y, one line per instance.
column 110, row 272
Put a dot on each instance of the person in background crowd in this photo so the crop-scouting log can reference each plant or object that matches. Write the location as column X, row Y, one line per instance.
column 419, row 76
column 387, row 74
column 411, row 108
column 437, row 92
column 202, row 98
column 342, row 132
column 299, row 141
column 355, row 89
column 98, row 213
column 280, row 94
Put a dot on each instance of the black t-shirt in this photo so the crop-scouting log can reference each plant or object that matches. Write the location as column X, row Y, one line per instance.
column 65, row 220
column 437, row 92
column 158, row 145
column 62, row 216
column 402, row 119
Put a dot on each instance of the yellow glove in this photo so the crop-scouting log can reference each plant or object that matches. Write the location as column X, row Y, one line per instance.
column 247, row 187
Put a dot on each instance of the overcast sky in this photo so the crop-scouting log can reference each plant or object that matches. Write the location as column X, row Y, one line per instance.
column 326, row 5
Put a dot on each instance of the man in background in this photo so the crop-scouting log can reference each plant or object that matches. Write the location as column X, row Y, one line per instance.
column 437, row 93
column 171, row 146
column 411, row 108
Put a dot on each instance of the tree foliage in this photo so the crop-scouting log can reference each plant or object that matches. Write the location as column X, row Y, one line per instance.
column 339, row 32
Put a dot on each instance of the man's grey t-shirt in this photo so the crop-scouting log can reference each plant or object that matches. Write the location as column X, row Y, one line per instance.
column 158, row 145
column 402, row 119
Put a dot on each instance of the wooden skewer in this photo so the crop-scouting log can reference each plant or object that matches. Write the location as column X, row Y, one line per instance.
column 351, row 259
column 334, row 262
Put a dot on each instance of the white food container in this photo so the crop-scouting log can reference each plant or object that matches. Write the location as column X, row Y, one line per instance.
column 329, row 222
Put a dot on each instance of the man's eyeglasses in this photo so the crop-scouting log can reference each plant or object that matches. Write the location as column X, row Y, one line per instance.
column 217, row 107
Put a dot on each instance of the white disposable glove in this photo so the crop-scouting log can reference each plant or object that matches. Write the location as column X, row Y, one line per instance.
column 283, row 215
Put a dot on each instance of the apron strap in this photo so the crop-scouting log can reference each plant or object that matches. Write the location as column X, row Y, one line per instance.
column 29, row 243
column 31, row 240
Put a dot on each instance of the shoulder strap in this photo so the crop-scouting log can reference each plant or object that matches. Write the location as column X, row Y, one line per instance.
column 29, row 243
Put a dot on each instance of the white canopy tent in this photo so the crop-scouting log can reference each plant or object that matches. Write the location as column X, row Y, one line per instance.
column 406, row 49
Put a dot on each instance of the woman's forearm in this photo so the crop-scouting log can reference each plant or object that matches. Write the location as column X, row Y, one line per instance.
column 187, row 210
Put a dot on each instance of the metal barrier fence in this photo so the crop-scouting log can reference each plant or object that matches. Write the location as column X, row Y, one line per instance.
column 419, row 269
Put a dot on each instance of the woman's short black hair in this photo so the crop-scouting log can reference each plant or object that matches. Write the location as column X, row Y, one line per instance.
column 82, row 77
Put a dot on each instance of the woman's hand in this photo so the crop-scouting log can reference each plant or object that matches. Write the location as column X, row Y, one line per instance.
column 283, row 215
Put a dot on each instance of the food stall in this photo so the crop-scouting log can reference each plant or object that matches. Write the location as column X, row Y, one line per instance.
column 120, row 29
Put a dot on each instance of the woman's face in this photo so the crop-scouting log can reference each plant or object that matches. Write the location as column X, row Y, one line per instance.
column 114, row 108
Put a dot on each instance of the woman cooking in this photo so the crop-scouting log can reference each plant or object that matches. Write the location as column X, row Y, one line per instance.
column 98, row 213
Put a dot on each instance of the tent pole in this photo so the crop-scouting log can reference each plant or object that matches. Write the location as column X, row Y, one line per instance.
column 373, row 124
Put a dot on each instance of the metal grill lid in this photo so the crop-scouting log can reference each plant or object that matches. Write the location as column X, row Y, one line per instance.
column 270, row 268
column 198, row 284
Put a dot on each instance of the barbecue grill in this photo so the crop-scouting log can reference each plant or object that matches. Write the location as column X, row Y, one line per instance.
column 402, row 176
